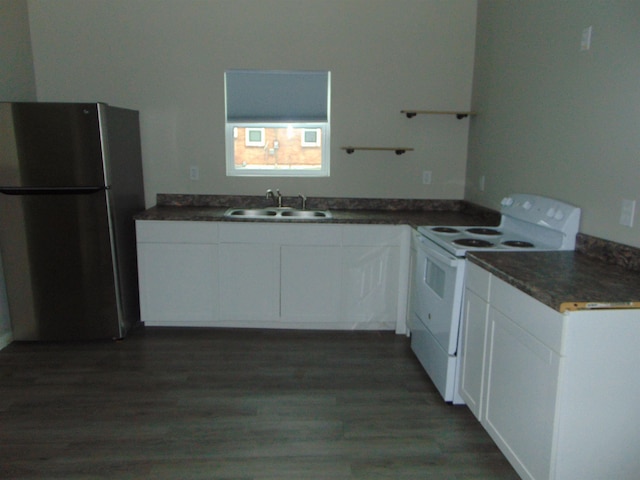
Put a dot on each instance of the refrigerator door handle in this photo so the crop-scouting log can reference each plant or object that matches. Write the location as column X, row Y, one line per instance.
column 52, row 190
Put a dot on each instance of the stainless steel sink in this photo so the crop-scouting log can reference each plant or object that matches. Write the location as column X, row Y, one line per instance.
column 305, row 214
column 251, row 212
column 276, row 214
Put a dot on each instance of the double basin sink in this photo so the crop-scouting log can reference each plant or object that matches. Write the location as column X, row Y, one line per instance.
column 276, row 214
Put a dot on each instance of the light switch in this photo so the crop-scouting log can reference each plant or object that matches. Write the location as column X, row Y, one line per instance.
column 627, row 212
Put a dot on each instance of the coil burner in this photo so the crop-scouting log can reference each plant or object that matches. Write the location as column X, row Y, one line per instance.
column 445, row 230
column 473, row 242
column 517, row 244
column 483, row 231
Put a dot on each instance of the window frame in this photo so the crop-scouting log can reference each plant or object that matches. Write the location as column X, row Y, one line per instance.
column 253, row 143
column 317, row 142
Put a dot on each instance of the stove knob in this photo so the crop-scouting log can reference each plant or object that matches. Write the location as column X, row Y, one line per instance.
column 551, row 212
column 527, row 205
column 559, row 215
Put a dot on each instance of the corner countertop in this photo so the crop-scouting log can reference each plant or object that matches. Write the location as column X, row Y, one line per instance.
column 566, row 280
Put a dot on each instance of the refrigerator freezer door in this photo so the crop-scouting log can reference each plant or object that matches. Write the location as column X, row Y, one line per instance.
column 50, row 145
column 58, row 266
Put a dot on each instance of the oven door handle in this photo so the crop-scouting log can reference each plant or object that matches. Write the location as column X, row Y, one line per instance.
column 430, row 251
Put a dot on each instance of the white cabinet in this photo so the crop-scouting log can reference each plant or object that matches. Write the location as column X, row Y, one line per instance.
column 249, row 275
column 285, row 276
column 520, row 397
column 597, row 410
column 374, row 282
column 311, row 284
column 177, row 267
column 557, row 392
column 258, row 274
column 473, row 337
column 310, row 278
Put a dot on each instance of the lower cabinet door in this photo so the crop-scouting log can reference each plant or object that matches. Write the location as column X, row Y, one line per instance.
column 371, row 286
column 474, row 328
column 178, row 283
column 520, row 399
column 310, row 284
column 249, row 282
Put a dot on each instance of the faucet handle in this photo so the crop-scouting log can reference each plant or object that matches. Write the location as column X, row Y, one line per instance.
column 304, row 201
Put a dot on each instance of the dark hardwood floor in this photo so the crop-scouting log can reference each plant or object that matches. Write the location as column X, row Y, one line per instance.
column 234, row 405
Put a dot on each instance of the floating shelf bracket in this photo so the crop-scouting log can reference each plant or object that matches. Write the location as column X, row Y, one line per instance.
column 397, row 150
column 413, row 113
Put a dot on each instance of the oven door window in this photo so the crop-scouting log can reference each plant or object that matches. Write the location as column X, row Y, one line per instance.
column 435, row 277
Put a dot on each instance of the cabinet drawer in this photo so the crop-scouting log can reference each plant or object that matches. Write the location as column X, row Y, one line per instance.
column 265, row 233
column 478, row 280
column 155, row 231
column 372, row 235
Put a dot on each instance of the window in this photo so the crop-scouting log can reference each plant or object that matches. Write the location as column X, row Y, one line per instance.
column 311, row 137
column 277, row 123
column 254, row 137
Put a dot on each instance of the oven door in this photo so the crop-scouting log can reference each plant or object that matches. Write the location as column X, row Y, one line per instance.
column 438, row 278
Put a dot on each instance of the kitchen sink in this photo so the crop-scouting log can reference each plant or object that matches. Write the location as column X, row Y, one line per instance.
column 276, row 214
column 305, row 214
column 251, row 212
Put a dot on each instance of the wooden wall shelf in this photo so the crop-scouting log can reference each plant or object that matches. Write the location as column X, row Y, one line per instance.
column 397, row 150
column 413, row 113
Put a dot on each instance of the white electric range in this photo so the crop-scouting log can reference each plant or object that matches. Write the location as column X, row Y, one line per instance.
column 528, row 223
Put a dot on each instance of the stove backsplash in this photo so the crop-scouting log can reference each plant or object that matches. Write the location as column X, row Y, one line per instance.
column 610, row 252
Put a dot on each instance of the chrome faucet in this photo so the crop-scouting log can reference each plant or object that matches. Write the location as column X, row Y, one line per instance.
column 303, row 201
column 271, row 196
column 276, row 197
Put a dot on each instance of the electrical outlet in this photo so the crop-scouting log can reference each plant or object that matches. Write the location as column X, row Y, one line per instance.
column 426, row 177
column 585, row 42
column 627, row 212
column 194, row 174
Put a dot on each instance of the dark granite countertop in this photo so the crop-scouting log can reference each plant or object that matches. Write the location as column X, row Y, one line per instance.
column 388, row 217
column 564, row 280
column 343, row 210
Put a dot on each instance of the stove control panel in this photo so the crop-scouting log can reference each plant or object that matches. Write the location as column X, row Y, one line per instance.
column 543, row 211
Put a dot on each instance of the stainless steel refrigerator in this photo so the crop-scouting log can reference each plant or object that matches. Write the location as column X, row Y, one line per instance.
column 70, row 184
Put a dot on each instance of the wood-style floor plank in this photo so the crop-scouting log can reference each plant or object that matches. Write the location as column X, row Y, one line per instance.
column 221, row 404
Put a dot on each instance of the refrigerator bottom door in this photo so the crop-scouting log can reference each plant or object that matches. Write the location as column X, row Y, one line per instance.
column 58, row 266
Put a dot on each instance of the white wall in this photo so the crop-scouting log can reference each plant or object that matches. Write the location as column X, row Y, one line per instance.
column 553, row 119
column 17, row 83
column 167, row 59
